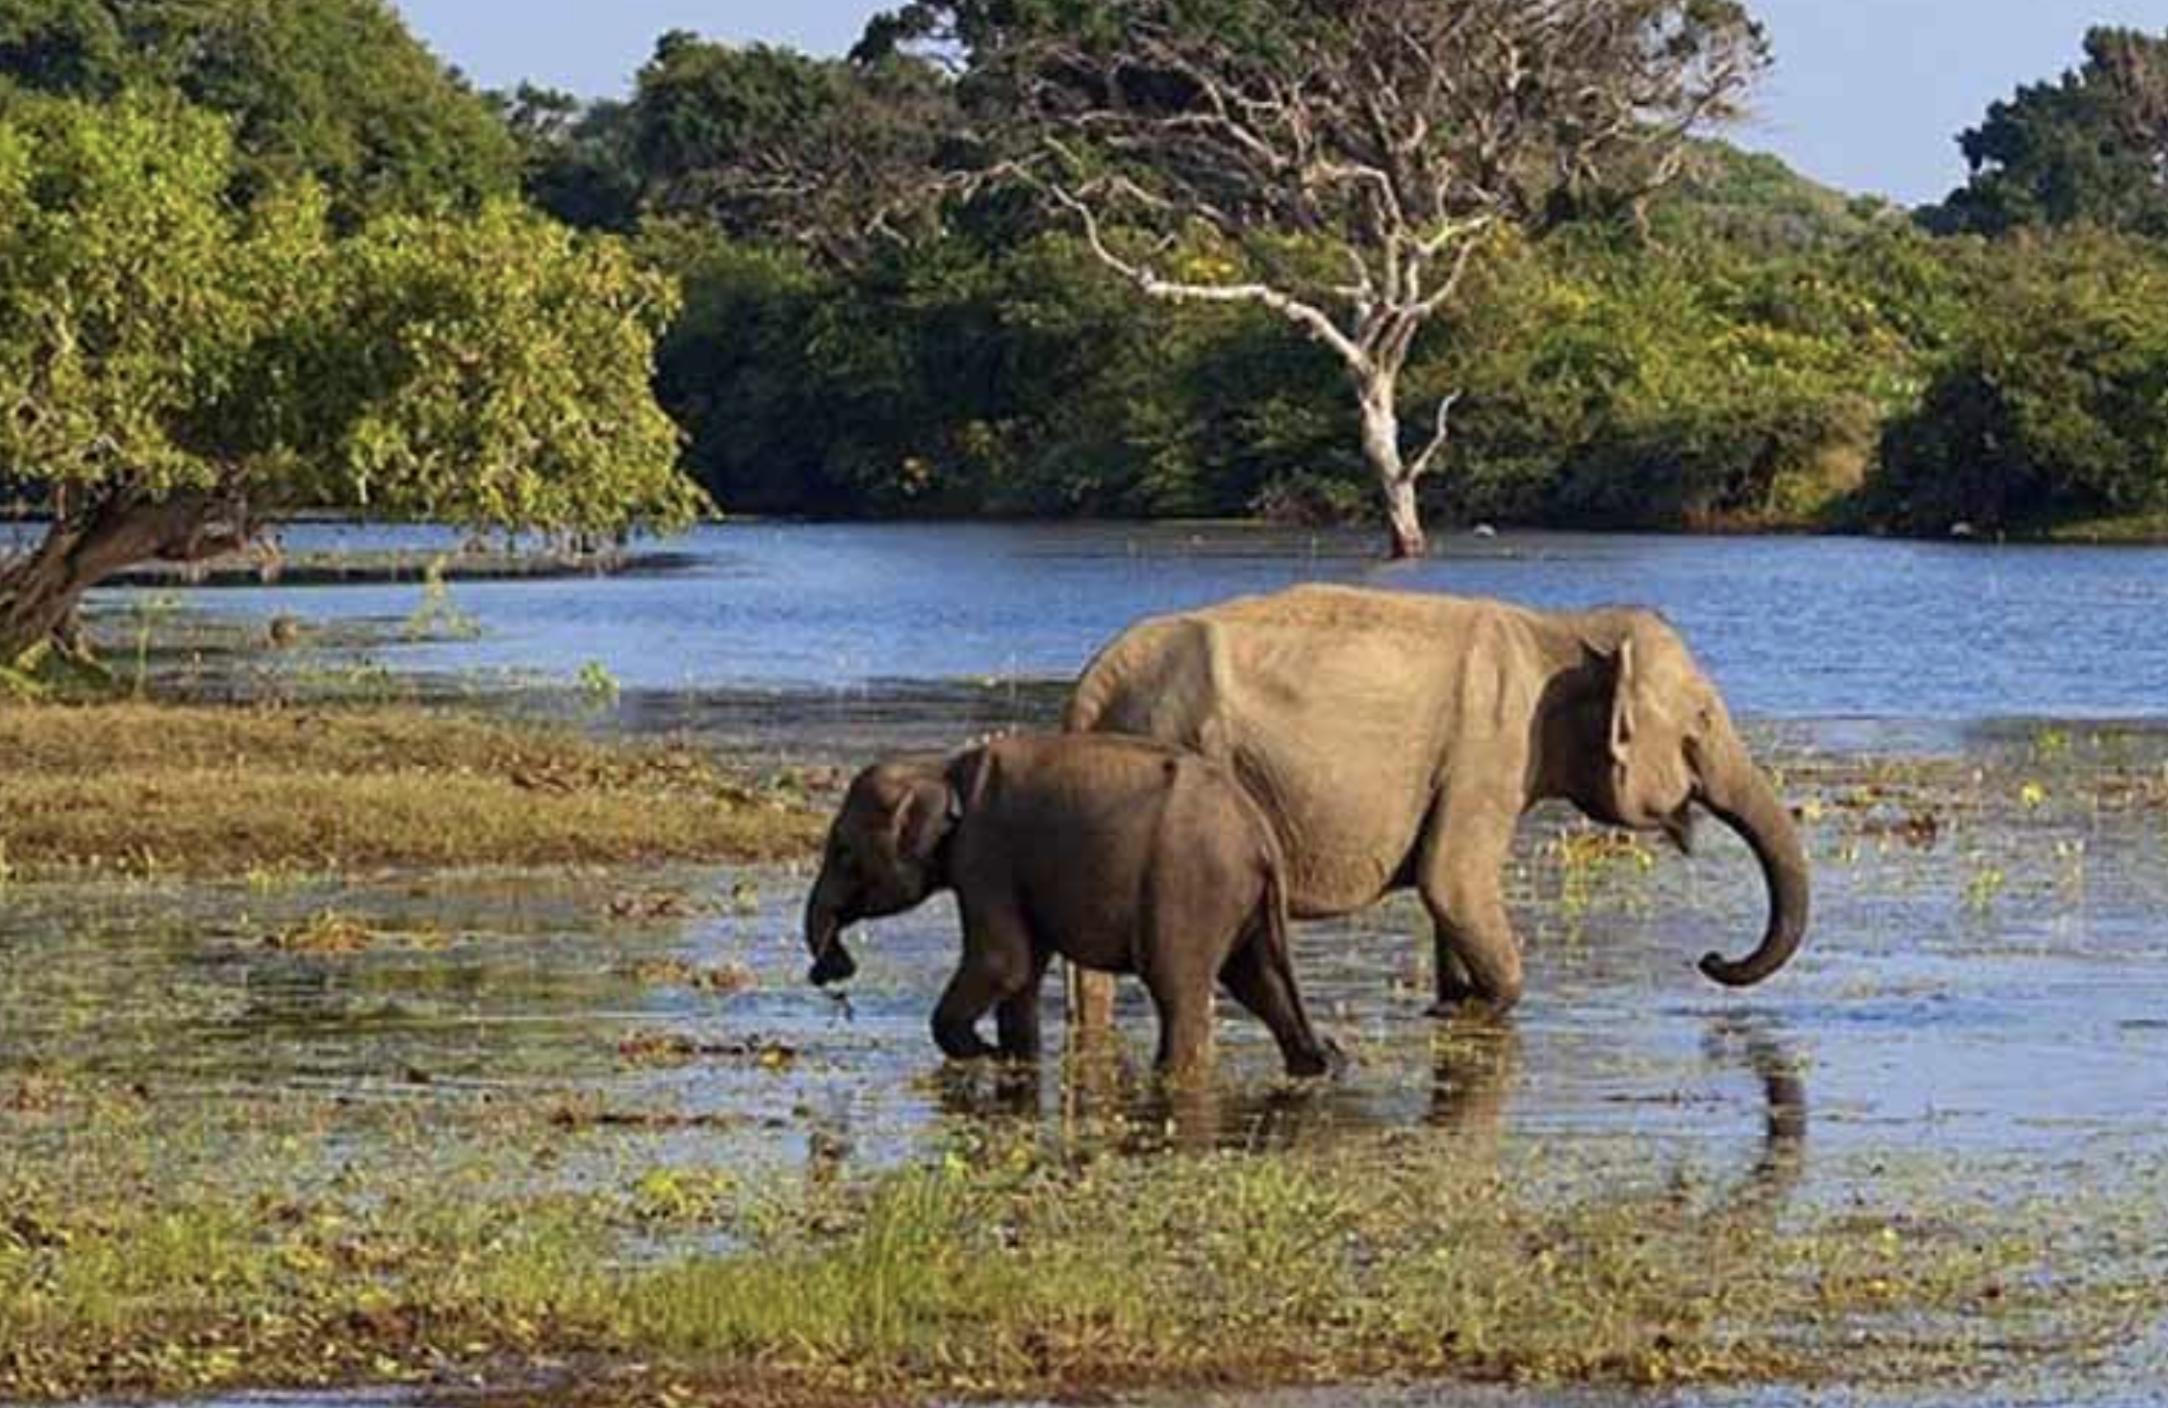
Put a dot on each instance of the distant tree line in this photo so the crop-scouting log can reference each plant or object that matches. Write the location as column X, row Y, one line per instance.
column 1728, row 346
column 1147, row 257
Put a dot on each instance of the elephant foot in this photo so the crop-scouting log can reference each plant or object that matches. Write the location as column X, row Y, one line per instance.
column 1309, row 1065
column 965, row 1046
column 1325, row 1060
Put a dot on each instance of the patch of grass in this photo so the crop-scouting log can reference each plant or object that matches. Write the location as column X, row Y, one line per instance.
column 325, row 932
column 136, row 789
column 137, row 1257
column 1319, row 1268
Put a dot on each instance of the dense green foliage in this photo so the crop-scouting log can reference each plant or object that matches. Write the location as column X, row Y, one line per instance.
column 1602, row 383
column 158, row 336
column 180, row 364
column 318, row 300
column 1771, row 353
column 2087, row 149
column 2052, row 401
column 335, row 90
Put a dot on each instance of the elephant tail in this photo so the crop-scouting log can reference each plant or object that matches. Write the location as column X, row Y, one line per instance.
column 1273, row 907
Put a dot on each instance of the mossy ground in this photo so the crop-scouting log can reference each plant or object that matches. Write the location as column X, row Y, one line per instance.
column 148, row 1250
column 153, row 790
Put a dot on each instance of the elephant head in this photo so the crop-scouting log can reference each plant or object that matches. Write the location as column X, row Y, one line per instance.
column 882, row 857
column 1671, row 745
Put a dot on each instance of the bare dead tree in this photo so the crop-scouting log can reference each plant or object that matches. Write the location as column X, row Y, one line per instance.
column 1359, row 156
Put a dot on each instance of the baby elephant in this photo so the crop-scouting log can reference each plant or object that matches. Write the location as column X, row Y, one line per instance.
column 1118, row 854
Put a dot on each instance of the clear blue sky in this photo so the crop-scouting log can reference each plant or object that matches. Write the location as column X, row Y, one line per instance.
column 1868, row 94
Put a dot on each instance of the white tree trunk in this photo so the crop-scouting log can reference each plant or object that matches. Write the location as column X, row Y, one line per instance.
column 1406, row 519
column 1396, row 481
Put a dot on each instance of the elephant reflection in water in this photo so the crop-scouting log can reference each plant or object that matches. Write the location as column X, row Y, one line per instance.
column 1777, row 1174
column 1475, row 1075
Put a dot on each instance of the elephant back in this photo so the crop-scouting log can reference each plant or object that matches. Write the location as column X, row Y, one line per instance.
column 1337, row 709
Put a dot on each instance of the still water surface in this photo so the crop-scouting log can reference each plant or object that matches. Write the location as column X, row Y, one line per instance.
column 1792, row 628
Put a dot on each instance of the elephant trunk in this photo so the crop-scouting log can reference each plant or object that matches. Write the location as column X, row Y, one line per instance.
column 1743, row 800
column 832, row 962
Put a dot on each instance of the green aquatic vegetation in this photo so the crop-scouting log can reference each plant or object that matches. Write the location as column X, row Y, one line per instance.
column 721, row 981
column 599, row 689
column 682, row 1197
column 436, row 616
column 1026, row 1275
column 327, row 931
column 186, row 1249
column 1985, row 882
column 1592, row 865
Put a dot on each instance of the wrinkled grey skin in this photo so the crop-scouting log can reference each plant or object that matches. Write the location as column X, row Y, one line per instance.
column 1121, row 855
column 1395, row 739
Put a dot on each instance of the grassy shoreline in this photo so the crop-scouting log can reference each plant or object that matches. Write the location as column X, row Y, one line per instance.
column 1006, row 1267
column 142, row 791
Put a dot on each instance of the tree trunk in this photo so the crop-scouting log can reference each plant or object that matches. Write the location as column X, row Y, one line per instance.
column 1381, row 447
column 1406, row 519
column 41, row 592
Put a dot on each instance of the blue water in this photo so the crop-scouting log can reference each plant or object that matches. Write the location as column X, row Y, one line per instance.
column 1792, row 628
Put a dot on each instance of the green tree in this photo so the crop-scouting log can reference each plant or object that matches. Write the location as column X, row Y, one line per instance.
column 335, row 90
column 1341, row 165
column 576, row 157
column 2089, row 148
column 767, row 143
column 2051, row 401
column 178, row 367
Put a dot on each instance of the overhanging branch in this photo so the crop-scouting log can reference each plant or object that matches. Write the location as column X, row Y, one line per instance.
column 1313, row 320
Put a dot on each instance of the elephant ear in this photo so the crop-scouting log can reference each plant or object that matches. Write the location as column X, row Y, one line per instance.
column 1625, row 686
column 933, row 805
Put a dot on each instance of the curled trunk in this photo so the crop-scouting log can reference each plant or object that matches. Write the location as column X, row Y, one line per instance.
column 42, row 591
column 1743, row 800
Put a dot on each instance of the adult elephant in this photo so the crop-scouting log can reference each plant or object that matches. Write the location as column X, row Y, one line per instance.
column 1394, row 740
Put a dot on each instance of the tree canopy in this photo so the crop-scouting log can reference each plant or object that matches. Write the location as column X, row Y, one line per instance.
column 1340, row 165
column 177, row 366
column 2091, row 147
column 335, row 90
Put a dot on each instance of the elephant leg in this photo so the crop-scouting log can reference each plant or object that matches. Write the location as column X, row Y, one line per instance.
column 1262, row 981
column 1017, row 1018
column 997, row 964
column 1478, row 959
column 1454, row 984
column 1185, row 1031
column 1181, row 976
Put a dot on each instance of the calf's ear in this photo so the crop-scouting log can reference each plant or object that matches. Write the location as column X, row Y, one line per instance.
column 929, row 810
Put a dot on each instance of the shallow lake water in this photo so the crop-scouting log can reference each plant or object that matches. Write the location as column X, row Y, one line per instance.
column 1995, row 993
column 1792, row 628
